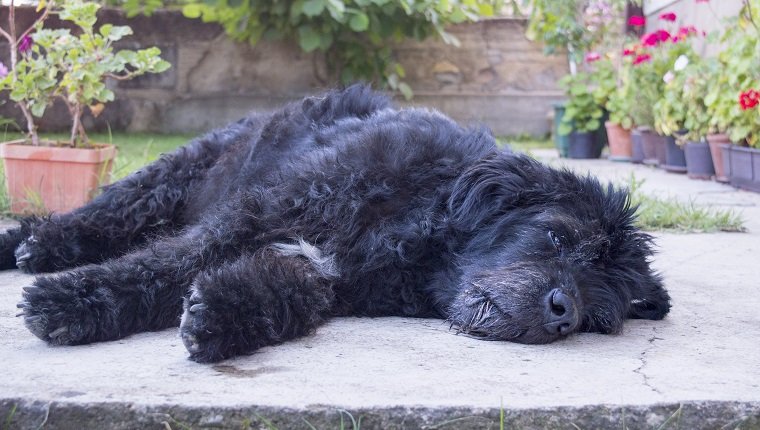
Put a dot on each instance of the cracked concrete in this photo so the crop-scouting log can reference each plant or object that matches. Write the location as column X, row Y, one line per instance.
column 698, row 368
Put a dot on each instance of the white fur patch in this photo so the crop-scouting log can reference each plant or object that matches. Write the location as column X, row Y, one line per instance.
column 325, row 264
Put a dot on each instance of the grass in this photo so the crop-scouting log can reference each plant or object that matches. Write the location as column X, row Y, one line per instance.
column 525, row 143
column 659, row 214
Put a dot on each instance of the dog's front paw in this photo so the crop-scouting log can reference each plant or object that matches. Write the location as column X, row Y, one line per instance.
column 32, row 257
column 65, row 311
column 203, row 330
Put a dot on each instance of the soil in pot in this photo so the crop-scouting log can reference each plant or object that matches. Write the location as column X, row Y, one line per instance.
column 41, row 179
column 619, row 141
column 715, row 141
column 699, row 164
column 583, row 145
column 675, row 158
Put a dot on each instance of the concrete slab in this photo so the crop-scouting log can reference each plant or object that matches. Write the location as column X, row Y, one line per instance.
column 699, row 368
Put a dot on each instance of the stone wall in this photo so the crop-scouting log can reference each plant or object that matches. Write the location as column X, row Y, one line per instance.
column 496, row 77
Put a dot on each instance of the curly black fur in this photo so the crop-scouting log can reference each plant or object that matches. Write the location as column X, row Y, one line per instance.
column 338, row 205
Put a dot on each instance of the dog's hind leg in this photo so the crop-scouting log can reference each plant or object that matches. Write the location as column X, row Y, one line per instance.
column 260, row 299
column 147, row 203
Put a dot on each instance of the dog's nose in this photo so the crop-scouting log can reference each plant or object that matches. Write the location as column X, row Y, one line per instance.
column 561, row 313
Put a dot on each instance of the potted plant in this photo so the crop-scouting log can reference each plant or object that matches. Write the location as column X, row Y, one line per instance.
column 653, row 59
column 744, row 161
column 619, row 105
column 730, row 100
column 72, row 67
column 582, row 116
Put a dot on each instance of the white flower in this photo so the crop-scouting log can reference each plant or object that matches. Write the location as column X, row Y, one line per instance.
column 668, row 77
column 681, row 63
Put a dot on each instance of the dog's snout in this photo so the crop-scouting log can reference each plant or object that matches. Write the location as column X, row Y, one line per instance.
column 561, row 313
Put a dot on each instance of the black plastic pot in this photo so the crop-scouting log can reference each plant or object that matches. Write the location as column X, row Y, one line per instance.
column 637, row 147
column 649, row 142
column 583, row 145
column 699, row 163
column 560, row 142
column 744, row 167
column 675, row 158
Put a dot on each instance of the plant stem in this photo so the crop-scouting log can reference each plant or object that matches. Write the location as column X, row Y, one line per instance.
column 13, row 47
column 751, row 18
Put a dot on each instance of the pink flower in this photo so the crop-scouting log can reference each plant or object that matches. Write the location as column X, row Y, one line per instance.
column 669, row 16
column 650, row 39
column 25, row 44
column 593, row 56
column 3, row 71
column 643, row 58
column 684, row 33
column 663, row 35
column 637, row 21
column 627, row 52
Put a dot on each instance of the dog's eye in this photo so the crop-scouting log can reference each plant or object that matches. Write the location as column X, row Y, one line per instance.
column 555, row 241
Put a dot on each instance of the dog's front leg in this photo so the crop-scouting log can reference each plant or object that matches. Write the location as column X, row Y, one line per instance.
column 140, row 291
column 260, row 299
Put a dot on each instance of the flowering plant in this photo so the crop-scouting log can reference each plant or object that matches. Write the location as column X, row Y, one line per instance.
column 653, row 60
column 682, row 111
column 732, row 96
column 55, row 63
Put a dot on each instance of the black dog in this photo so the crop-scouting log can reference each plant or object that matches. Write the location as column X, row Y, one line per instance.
column 338, row 205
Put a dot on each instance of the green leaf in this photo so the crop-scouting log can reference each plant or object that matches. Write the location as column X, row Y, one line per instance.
column 313, row 7
column 564, row 129
column 192, row 10
column 308, row 39
column 485, row 9
column 406, row 90
column 359, row 22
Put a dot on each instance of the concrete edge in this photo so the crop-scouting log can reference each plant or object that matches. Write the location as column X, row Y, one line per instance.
column 19, row 413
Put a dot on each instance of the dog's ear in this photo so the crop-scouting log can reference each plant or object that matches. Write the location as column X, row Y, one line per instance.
column 632, row 254
column 488, row 188
column 652, row 301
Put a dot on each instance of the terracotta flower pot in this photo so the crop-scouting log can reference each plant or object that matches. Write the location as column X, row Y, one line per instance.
column 619, row 141
column 45, row 179
column 716, row 141
column 699, row 163
column 675, row 158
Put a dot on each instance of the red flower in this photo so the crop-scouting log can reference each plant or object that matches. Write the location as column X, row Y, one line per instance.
column 593, row 56
column 643, row 58
column 669, row 16
column 749, row 99
column 627, row 52
column 637, row 21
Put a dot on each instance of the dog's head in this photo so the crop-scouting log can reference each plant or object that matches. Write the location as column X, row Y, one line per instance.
column 547, row 253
